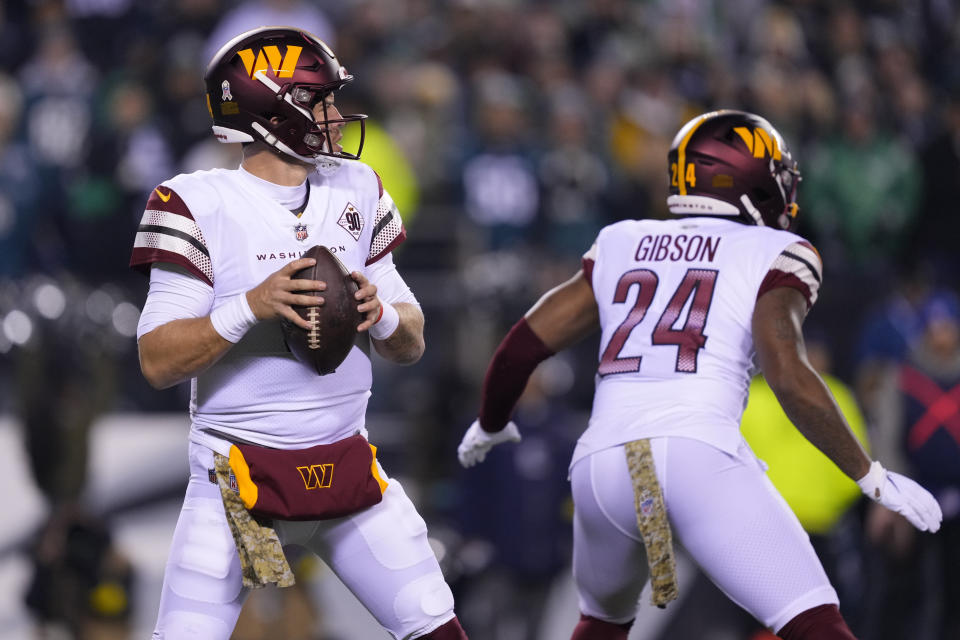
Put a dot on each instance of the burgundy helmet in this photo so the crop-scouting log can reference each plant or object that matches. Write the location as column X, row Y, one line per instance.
column 733, row 163
column 277, row 72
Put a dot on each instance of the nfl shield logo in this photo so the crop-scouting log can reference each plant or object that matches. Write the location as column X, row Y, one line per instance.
column 301, row 232
column 646, row 507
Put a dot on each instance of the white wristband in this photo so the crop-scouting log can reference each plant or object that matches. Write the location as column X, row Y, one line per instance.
column 233, row 318
column 387, row 324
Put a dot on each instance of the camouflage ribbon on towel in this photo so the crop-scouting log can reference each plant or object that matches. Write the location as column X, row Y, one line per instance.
column 652, row 522
column 261, row 554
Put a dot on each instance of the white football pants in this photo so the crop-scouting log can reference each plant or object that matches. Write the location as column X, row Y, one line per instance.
column 723, row 509
column 381, row 554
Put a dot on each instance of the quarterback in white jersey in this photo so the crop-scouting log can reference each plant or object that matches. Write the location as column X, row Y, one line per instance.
column 222, row 248
column 689, row 308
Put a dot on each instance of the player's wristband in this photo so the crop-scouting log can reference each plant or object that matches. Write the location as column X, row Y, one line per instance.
column 233, row 318
column 387, row 323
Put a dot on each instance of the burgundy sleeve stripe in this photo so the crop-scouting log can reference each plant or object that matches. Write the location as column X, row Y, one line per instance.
column 144, row 257
column 776, row 278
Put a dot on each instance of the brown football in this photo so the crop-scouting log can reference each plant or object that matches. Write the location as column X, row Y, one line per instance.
column 335, row 322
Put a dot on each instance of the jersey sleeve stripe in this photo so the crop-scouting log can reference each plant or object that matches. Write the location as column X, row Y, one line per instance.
column 382, row 222
column 798, row 266
column 811, row 268
column 388, row 231
column 168, row 233
column 396, row 242
column 176, row 233
column 153, row 246
column 173, row 220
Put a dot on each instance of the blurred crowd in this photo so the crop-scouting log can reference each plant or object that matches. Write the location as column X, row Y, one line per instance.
column 509, row 132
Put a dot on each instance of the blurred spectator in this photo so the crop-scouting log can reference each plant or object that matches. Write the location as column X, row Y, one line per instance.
column 59, row 83
column 128, row 156
column 939, row 225
column 20, row 188
column 499, row 179
column 890, row 330
column 861, row 194
column 918, row 431
column 574, row 179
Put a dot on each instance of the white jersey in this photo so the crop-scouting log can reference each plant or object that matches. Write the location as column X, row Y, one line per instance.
column 226, row 232
column 676, row 301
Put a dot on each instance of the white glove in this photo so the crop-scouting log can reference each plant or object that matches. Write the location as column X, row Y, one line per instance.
column 477, row 442
column 903, row 495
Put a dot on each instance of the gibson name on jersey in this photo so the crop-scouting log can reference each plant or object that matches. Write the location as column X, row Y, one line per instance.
column 659, row 248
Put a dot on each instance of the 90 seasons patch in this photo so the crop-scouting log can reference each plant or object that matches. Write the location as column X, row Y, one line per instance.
column 351, row 220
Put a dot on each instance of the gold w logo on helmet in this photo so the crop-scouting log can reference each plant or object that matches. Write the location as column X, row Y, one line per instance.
column 269, row 58
column 759, row 142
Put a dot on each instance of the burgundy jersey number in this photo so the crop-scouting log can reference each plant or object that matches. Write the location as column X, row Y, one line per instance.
column 647, row 280
column 689, row 339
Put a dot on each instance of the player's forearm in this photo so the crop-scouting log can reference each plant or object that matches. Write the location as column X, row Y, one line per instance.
column 519, row 353
column 808, row 403
column 405, row 345
column 180, row 350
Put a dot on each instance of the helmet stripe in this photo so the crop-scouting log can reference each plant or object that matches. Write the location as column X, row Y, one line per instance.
column 682, row 155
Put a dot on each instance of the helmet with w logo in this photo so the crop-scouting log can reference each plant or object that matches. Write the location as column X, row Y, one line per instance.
column 263, row 85
column 733, row 163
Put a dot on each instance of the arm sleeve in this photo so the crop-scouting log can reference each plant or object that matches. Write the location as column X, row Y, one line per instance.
column 510, row 368
column 391, row 286
column 799, row 267
column 174, row 294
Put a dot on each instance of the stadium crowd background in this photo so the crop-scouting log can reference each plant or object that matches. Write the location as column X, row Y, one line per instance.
column 509, row 133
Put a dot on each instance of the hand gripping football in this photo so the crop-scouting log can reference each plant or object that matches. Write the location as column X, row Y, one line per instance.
column 334, row 322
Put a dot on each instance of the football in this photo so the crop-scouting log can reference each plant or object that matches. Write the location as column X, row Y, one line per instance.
column 327, row 344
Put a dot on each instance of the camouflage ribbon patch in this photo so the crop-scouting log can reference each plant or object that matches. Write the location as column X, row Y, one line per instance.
column 652, row 523
column 261, row 554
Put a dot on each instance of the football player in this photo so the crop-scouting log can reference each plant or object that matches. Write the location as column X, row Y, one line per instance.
column 687, row 307
column 221, row 247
